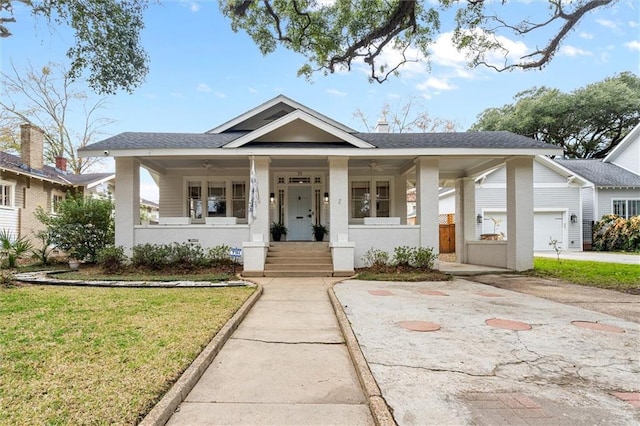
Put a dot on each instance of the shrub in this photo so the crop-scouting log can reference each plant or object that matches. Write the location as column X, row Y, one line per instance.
column 403, row 256
column 82, row 227
column 612, row 233
column 375, row 258
column 219, row 255
column 424, row 258
column 12, row 248
column 112, row 259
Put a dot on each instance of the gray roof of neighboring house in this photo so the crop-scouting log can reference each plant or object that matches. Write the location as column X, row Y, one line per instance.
column 146, row 140
column 601, row 174
column 14, row 164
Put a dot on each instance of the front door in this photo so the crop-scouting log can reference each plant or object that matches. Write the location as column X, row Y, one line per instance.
column 299, row 213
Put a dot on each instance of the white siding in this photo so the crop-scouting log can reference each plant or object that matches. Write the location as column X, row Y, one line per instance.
column 605, row 197
column 587, row 203
column 543, row 174
column 630, row 157
column 171, row 196
column 9, row 220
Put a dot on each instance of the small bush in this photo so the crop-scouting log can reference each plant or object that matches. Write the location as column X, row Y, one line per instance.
column 112, row 259
column 375, row 258
column 424, row 258
column 219, row 255
column 404, row 256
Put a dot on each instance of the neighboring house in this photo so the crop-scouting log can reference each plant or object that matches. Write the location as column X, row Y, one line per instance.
column 311, row 169
column 613, row 182
column 149, row 211
column 568, row 195
column 26, row 183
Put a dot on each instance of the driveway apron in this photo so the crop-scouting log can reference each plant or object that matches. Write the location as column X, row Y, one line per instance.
column 287, row 363
column 465, row 353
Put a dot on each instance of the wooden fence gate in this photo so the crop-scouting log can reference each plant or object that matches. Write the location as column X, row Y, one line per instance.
column 447, row 233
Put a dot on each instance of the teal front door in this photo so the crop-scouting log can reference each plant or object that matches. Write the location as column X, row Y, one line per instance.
column 299, row 213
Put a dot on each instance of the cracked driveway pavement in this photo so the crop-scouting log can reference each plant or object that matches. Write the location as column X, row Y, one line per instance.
column 495, row 356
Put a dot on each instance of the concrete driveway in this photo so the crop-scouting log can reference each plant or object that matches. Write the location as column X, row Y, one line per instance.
column 462, row 352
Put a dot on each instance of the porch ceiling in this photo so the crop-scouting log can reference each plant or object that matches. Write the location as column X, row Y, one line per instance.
column 451, row 167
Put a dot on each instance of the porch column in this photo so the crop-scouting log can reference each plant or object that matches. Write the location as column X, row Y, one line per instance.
column 255, row 250
column 400, row 198
column 520, row 213
column 342, row 251
column 127, row 200
column 465, row 216
column 427, row 181
column 338, row 198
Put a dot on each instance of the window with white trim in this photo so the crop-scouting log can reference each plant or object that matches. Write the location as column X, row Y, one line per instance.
column 7, row 191
column 626, row 208
column 223, row 198
column 56, row 198
column 364, row 203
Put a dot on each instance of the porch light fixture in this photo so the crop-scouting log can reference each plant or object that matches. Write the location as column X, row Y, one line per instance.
column 479, row 219
column 326, row 198
column 574, row 218
column 272, row 198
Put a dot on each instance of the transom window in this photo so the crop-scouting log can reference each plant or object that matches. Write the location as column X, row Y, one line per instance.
column 626, row 208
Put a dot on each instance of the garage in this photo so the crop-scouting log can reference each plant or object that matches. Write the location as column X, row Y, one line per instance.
column 547, row 225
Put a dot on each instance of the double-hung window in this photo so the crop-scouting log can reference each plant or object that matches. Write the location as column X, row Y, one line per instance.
column 222, row 198
column 7, row 192
column 626, row 208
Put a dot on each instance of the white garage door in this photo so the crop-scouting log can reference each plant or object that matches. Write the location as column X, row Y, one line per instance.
column 546, row 226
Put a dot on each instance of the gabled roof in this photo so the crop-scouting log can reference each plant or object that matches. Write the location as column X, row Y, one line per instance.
column 602, row 174
column 14, row 164
column 632, row 136
column 270, row 111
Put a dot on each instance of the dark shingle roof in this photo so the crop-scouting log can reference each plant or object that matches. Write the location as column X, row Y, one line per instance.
column 602, row 174
column 503, row 139
column 506, row 140
column 14, row 163
column 148, row 140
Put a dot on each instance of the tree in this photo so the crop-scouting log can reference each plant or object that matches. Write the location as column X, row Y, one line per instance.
column 82, row 227
column 48, row 99
column 587, row 123
column 404, row 119
column 332, row 35
column 107, row 37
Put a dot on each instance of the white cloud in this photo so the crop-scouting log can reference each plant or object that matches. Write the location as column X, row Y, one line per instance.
column 219, row 94
column 586, row 36
column 607, row 23
column 633, row 45
column 436, row 83
column 204, row 88
column 252, row 90
column 336, row 92
column 574, row 51
column 194, row 7
column 177, row 95
column 634, row 24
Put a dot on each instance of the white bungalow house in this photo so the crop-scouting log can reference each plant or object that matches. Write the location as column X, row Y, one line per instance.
column 311, row 169
column 569, row 194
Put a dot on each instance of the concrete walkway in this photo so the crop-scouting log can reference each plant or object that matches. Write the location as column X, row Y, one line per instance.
column 286, row 364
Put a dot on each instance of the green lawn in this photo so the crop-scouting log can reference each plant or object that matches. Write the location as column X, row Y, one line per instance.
column 72, row 355
column 596, row 274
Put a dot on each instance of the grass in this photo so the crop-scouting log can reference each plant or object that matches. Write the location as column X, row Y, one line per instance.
column 73, row 355
column 613, row 276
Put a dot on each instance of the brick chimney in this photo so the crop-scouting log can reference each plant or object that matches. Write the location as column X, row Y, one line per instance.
column 61, row 164
column 31, row 146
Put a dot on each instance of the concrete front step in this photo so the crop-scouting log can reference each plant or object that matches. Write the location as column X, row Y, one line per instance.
column 327, row 273
column 298, row 266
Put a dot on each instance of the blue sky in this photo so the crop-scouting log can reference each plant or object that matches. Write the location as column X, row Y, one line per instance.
column 202, row 73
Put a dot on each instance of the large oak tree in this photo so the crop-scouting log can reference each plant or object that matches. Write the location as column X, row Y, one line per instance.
column 332, row 35
column 587, row 123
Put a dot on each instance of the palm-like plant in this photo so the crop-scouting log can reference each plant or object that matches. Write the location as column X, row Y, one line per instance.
column 12, row 248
